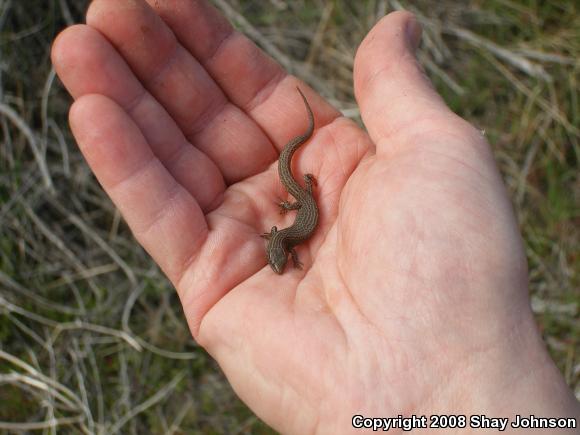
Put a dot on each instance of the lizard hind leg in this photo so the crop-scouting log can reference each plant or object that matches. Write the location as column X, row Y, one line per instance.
column 295, row 260
column 269, row 235
column 287, row 205
column 310, row 182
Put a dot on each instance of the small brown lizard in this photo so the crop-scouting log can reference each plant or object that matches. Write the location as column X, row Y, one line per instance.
column 282, row 242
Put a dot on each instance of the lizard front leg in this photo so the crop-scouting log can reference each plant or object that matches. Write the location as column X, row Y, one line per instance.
column 269, row 235
column 287, row 205
column 310, row 182
column 295, row 260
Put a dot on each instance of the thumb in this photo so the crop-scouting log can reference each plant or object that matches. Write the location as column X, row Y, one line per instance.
column 391, row 87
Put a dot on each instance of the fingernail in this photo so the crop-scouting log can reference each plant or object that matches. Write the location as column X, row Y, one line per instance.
column 413, row 30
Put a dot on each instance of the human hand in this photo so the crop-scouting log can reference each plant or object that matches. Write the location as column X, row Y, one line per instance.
column 413, row 299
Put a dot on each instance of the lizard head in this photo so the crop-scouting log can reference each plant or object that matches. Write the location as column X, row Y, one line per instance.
column 277, row 255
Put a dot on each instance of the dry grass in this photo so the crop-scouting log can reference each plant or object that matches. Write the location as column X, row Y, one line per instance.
column 92, row 336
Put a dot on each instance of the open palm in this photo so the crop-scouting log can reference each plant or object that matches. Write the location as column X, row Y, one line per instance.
column 416, row 270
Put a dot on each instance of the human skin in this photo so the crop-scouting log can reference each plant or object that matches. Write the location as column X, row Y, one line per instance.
column 413, row 298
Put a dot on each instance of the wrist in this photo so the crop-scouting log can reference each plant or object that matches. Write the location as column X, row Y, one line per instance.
column 515, row 378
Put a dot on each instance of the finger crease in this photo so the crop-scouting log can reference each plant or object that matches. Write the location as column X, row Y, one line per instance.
column 205, row 119
column 135, row 173
column 164, row 66
column 219, row 46
column 135, row 102
column 189, row 260
column 165, row 207
column 173, row 158
column 265, row 92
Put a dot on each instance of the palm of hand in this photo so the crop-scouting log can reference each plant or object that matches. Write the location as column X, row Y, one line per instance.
column 416, row 241
column 399, row 276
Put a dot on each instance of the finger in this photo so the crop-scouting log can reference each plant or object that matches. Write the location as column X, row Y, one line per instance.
column 189, row 94
column 240, row 68
column 164, row 217
column 196, row 91
column 183, row 87
column 249, row 78
column 392, row 89
column 88, row 64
